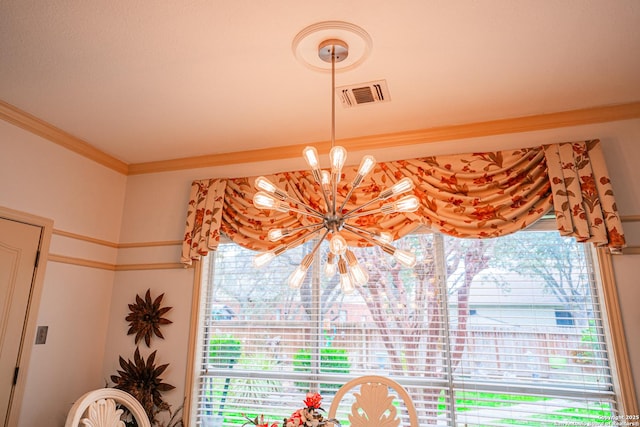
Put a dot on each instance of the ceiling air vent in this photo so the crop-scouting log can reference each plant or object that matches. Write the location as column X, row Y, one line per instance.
column 363, row 93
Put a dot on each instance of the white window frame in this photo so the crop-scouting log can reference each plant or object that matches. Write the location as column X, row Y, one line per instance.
column 609, row 303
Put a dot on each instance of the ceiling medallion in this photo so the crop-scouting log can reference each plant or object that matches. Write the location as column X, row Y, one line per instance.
column 305, row 45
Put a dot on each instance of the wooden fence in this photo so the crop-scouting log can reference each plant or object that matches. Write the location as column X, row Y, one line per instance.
column 485, row 352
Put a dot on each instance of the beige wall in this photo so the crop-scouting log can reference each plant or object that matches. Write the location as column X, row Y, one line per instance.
column 82, row 197
column 85, row 307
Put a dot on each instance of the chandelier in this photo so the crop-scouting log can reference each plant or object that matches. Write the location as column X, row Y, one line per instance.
column 331, row 222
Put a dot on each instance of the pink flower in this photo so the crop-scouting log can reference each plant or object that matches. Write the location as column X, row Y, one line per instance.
column 307, row 416
column 313, row 400
column 296, row 419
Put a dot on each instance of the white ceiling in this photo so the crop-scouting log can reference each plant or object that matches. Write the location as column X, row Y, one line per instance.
column 148, row 80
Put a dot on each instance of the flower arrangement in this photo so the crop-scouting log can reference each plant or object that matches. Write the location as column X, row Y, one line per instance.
column 303, row 417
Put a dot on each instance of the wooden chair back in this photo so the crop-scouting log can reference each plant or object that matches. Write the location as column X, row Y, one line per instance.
column 372, row 405
column 98, row 408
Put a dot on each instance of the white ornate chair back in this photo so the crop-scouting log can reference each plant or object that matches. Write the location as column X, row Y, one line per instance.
column 97, row 408
column 372, row 404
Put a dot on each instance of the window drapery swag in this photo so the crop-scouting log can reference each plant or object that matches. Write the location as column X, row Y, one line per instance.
column 476, row 195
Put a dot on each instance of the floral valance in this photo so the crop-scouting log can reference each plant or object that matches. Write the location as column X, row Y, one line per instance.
column 477, row 195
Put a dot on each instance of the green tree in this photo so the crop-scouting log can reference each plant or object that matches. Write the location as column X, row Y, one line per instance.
column 410, row 301
column 557, row 260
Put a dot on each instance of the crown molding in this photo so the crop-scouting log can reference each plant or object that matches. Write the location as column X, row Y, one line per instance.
column 26, row 121
column 398, row 139
column 585, row 116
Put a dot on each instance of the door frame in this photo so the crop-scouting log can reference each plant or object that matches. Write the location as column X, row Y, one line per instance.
column 33, row 306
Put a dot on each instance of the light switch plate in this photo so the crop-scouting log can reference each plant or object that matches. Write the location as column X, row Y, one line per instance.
column 41, row 334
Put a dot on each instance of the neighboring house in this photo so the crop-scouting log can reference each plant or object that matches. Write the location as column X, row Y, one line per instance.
column 497, row 297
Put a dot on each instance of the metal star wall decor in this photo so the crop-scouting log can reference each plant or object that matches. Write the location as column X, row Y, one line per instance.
column 146, row 318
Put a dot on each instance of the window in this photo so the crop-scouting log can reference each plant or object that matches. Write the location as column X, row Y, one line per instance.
column 472, row 332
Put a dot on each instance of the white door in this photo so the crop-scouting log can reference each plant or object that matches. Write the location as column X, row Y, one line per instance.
column 19, row 244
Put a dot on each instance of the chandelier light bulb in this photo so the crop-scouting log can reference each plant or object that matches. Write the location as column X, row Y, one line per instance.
column 269, row 187
column 337, row 156
column 406, row 204
column 275, row 234
column 263, row 200
column 383, row 237
column 297, row 277
column 346, row 285
column 264, row 184
column 351, row 258
column 337, row 244
column 366, row 165
column 330, row 266
column 359, row 275
column 310, row 154
column 405, row 258
column 263, row 259
column 326, row 179
column 329, row 270
column 400, row 187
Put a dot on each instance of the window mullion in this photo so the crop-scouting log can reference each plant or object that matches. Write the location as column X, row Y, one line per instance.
column 443, row 292
column 209, row 291
column 316, row 322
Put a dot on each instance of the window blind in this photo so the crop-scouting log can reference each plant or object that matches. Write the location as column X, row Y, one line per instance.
column 504, row 331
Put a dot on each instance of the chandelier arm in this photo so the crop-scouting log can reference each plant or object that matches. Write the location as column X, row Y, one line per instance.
column 307, row 213
column 344, row 202
column 366, row 165
column 334, row 192
column 311, row 153
column 316, row 246
column 304, row 236
column 361, row 232
column 317, row 213
column 358, row 215
column 353, row 213
column 303, row 227
column 405, row 258
column 326, row 197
